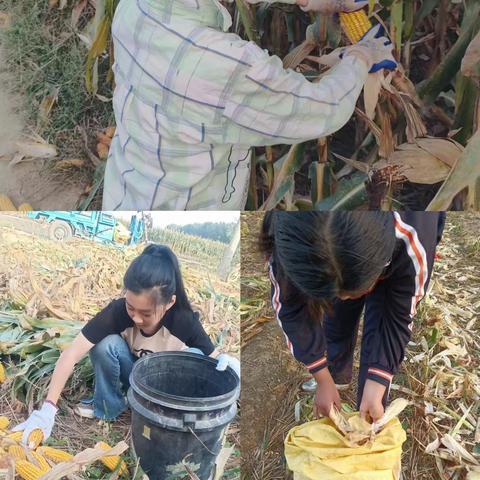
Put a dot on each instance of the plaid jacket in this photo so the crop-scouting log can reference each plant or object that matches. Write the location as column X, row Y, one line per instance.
column 191, row 101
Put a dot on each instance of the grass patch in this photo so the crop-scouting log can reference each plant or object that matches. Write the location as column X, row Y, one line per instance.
column 45, row 55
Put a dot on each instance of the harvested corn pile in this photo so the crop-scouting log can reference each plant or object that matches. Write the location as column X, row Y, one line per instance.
column 34, row 461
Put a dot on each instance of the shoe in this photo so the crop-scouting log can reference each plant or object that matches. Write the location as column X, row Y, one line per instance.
column 84, row 410
column 311, row 386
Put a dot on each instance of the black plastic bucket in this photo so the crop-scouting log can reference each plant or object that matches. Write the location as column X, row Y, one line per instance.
column 181, row 407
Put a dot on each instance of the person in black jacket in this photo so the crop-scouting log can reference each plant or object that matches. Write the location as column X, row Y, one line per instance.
column 154, row 315
column 325, row 269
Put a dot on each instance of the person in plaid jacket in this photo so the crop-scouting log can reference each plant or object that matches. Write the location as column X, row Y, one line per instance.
column 191, row 101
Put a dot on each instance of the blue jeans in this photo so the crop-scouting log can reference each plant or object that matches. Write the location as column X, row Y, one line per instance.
column 112, row 362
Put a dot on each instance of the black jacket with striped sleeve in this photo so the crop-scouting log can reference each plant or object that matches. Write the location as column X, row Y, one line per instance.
column 404, row 282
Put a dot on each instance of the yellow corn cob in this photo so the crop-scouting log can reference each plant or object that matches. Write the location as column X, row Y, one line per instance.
column 4, row 421
column 16, row 451
column 355, row 24
column 6, row 204
column 41, row 462
column 25, row 207
column 3, row 376
column 15, row 436
column 35, row 438
column 112, row 461
column 55, row 454
column 27, row 470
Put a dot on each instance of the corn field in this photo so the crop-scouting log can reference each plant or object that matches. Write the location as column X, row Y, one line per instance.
column 208, row 251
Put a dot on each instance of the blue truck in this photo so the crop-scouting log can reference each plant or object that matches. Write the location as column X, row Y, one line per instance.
column 99, row 226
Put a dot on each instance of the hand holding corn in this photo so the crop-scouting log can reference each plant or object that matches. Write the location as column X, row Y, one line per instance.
column 329, row 7
column 373, row 48
column 42, row 419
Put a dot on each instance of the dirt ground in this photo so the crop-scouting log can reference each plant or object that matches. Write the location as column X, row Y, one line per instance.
column 28, row 182
column 271, row 378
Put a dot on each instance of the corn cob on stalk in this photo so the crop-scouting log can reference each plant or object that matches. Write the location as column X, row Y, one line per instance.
column 3, row 376
column 54, row 454
column 25, row 207
column 27, row 470
column 16, row 451
column 35, row 438
column 355, row 24
column 112, row 461
column 40, row 461
column 6, row 204
column 4, row 422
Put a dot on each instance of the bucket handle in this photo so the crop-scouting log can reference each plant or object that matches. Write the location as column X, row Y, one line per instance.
column 204, row 446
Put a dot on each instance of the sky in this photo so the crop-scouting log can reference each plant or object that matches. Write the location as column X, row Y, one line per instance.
column 162, row 219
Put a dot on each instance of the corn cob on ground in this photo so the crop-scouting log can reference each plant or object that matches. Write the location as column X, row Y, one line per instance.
column 25, row 207
column 355, row 24
column 27, row 470
column 3, row 375
column 6, row 204
column 15, row 436
column 16, row 451
column 112, row 461
column 40, row 461
column 4, row 422
column 54, row 454
column 35, row 438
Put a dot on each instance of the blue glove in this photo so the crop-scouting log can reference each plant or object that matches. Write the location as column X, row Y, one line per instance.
column 43, row 419
column 225, row 360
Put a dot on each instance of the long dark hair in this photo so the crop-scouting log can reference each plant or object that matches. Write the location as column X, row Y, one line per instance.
column 157, row 272
column 325, row 253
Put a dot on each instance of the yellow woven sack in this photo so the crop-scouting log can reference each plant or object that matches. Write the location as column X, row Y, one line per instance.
column 345, row 447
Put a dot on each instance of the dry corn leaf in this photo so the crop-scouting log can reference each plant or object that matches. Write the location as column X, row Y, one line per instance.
column 70, row 163
column 80, row 460
column 427, row 161
column 47, row 104
column 5, row 20
column 457, row 449
column 77, row 11
column 28, row 150
column 371, row 92
column 392, row 411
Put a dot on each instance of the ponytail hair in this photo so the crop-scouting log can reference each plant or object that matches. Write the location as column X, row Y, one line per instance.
column 157, row 272
column 323, row 254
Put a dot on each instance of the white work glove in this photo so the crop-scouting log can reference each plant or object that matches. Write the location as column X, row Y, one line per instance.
column 374, row 48
column 225, row 360
column 329, row 7
column 43, row 419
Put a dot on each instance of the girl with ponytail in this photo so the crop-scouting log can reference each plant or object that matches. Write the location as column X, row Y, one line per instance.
column 325, row 269
column 153, row 315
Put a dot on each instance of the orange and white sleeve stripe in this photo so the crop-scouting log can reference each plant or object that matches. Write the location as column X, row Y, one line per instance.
column 417, row 254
